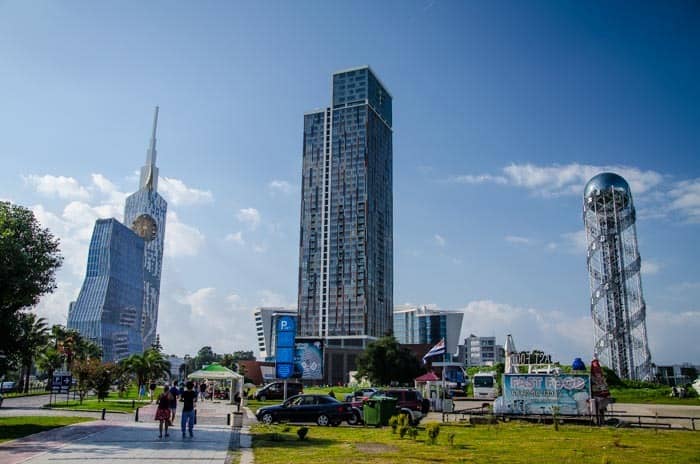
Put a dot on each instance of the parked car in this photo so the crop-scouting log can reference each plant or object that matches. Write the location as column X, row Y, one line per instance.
column 275, row 391
column 8, row 386
column 322, row 409
column 409, row 402
column 360, row 393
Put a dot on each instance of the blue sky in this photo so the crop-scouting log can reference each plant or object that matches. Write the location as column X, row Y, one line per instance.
column 502, row 111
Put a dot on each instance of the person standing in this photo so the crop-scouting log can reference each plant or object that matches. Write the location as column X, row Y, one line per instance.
column 175, row 393
column 189, row 397
column 203, row 391
column 163, row 411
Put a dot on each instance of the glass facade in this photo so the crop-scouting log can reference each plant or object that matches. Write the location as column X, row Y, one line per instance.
column 427, row 325
column 109, row 307
column 149, row 204
column 145, row 212
column 346, row 248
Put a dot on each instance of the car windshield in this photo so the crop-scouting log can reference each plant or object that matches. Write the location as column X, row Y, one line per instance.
column 483, row 382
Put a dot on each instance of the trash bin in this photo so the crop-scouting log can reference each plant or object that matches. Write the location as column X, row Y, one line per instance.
column 370, row 412
column 237, row 420
column 387, row 408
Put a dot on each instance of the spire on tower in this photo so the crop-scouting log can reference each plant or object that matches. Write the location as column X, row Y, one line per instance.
column 149, row 172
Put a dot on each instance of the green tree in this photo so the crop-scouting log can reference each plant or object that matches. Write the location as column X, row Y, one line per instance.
column 84, row 371
column 29, row 257
column 150, row 365
column 32, row 336
column 49, row 361
column 101, row 379
column 385, row 361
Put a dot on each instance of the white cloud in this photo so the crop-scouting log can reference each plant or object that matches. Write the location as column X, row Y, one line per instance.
column 686, row 198
column 235, row 238
column 561, row 334
column 516, row 240
column 650, row 267
column 566, row 179
column 249, row 216
column 107, row 188
column 574, row 242
column 673, row 336
column 280, row 186
column 222, row 322
column 260, row 248
column 177, row 193
column 181, row 239
column 440, row 240
column 271, row 298
column 479, row 179
column 63, row 187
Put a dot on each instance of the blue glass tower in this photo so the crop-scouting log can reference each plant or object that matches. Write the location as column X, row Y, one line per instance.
column 110, row 304
column 345, row 286
column 145, row 212
column 118, row 303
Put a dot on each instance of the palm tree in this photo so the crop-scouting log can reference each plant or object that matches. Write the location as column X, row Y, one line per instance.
column 33, row 335
column 150, row 365
column 49, row 361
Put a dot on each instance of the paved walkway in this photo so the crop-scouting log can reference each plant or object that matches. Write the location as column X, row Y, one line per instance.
column 117, row 441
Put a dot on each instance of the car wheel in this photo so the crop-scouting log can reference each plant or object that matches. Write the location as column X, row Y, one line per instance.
column 262, row 397
column 267, row 418
column 322, row 420
column 355, row 418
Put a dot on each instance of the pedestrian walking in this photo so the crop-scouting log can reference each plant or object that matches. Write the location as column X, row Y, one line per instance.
column 175, row 392
column 152, row 389
column 163, row 412
column 203, row 391
column 189, row 397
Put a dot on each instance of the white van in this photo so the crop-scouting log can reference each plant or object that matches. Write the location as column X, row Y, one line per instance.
column 485, row 385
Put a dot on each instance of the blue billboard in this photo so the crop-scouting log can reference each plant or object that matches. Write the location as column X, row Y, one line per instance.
column 285, row 330
column 540, row 393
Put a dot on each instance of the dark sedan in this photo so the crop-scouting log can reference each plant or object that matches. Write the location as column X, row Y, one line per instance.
column 322, row 409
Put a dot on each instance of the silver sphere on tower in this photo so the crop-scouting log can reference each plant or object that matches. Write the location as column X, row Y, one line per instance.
column 617, row 302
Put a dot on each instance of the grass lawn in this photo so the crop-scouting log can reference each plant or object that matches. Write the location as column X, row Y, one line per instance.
column 503, row 443
column 21, row 426
column 112, row 405
column 650, row 396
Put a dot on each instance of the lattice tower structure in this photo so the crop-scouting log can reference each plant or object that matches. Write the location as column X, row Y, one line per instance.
column 617, row 302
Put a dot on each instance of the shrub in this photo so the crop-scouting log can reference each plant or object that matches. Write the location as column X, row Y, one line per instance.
column 451, row 439
column 433, row 430
column 403, row 429
column 393, row 423
column 286, row 429
column 301, row 433
column 413, row 432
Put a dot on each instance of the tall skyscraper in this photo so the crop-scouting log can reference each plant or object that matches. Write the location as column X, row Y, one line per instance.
column 110, row 303
column 118, row 303
column 614, row 265
column 346, row 244
column 145, row 212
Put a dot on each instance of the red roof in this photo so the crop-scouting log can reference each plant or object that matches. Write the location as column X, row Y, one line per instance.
column 429, row 377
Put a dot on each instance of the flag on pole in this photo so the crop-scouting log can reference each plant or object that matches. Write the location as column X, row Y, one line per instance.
column 438, row 349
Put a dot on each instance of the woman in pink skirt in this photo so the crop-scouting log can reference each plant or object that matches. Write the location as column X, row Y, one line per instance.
column 163, row 411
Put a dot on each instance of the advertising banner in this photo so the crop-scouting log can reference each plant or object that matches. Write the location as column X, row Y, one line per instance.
column 308, row 359
column 539, row 393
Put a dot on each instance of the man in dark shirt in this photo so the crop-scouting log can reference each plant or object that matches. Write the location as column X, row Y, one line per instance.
column 175, row 392
column 189, row 397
